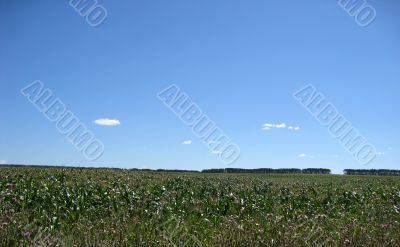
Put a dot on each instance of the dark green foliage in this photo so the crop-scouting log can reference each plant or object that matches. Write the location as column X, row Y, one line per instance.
column 379, row 172
column 270, row 170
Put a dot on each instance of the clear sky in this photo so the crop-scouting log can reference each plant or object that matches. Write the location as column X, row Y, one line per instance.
column 240, row 61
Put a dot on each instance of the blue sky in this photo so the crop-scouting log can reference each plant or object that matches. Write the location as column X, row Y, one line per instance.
column 240, row 61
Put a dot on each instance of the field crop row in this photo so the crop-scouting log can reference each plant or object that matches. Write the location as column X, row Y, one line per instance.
column 81, row 207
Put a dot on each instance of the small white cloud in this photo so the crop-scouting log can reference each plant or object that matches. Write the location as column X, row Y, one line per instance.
column 216, row 152
column 214, row 142
column 187, row 142
column 107, row 122
column 390, row 148
column 3, row 161
column 379, row 153
column 268, row 126
column 279, row 126
column 305, row 156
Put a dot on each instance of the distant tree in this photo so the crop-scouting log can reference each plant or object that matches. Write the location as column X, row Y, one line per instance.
column 270, row 170
column 372, row 172
column 316, row 171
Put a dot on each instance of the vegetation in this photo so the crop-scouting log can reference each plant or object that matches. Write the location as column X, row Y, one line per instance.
column 270, row 170
column 111, row 207
column 221, row 170
column 379, row 172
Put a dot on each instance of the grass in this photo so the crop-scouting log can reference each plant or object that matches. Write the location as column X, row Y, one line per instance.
column 93, row 207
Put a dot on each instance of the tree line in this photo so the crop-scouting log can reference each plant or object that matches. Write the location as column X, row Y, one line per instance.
column 372, row 172
column 270, row 170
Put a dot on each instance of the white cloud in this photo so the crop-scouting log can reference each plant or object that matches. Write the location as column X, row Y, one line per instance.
column 379, row 153
column 216, row 152
column 187, row 142
column 279, row 126
column 305, row 156
column 214, row 142
column 269, row 126
column 3, row 161
column 107, row 122
column 390, row 148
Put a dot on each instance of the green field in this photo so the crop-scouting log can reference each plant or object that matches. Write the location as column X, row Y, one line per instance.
column 93, row 207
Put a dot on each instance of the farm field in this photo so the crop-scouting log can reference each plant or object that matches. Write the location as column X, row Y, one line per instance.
column 103, row 207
